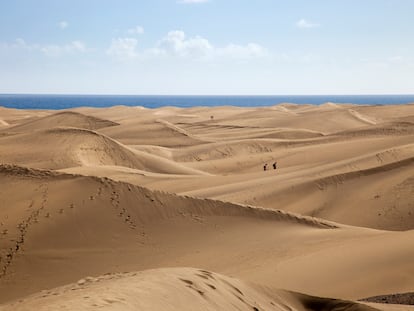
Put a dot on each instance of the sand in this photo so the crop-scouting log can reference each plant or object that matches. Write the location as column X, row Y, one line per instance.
column 128, row 208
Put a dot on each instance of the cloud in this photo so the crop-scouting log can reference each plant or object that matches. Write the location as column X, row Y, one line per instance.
column 137, row 30
column 251, row 50
column 19, row 42
column 49, row 49
column 123, row 48
column 396, row 61
column 192, row 1
column 176, row 43
column 57, row 50
column 303, row 24
column 63, row 24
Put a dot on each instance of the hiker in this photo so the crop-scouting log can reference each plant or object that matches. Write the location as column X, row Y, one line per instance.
column 275, row 165
column 265, row 167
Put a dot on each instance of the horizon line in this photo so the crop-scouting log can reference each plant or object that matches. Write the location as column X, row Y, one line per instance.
column 206, row 95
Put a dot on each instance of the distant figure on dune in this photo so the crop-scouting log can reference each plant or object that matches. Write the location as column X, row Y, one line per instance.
column 275, row 165
column 265, row 167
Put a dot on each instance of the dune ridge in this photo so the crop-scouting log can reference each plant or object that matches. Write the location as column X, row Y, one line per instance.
column 198, row 289
column 204, row 206
column 63, row 119
column 65, row 227
column 65, row 147
column 103, row 192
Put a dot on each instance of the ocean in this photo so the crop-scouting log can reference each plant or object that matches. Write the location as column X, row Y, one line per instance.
column 28, row 101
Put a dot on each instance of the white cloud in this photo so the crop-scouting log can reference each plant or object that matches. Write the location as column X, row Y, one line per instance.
column 396, row 61
column 49, row 49
column 57, row 50
column 251, row 50
column 63, row 24
column 137, row 30
column 78, row 46
column 123, row 48
column 20, row 43
column 176, row 43
column 192, row 1
column 303, row 23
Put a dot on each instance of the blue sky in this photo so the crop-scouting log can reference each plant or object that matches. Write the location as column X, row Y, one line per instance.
column 267, row 47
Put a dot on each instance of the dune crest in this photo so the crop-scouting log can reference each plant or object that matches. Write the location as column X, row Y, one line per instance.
column 173, row 289
column 63, row 119
column 66, row 147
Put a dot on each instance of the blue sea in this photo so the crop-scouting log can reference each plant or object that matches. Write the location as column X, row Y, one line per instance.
column 154, row 101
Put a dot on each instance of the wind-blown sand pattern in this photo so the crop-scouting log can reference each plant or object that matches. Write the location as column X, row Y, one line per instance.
column 127, row 208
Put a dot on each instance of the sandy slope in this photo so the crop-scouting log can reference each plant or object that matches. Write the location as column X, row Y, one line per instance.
column 349, row 167
column 12, row 117
column 197, row 289
column 64, row 147
column 329, row 173
column 53, row 235
column 381, row 183
column 65, row 118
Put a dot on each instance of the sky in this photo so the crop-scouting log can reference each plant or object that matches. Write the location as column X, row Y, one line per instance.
column 207, row 47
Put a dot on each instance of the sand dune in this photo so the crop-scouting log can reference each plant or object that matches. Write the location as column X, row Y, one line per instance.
column 63, row 119
column 383, row 189
column 157, row 289
column 13, row 117
column 3, row 123
column 212, row 131
column 387, row 112
column 65, row 147
column 149, row 134
column 51, row 230
column 388, row 128
column 115, row 113
column 328, row 119
column 362, row 117
column 59, row 148
column 53, row 221
column 99, row 192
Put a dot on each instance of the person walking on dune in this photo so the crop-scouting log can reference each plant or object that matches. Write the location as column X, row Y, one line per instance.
column 265, row 167
column 275, row 165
